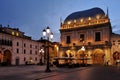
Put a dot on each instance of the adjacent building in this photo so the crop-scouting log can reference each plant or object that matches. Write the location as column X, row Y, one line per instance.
column 18, row 49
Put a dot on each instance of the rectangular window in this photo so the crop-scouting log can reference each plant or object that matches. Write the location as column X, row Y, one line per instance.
column 24, row 45
column 24, row 51
column 17, row 50
column 30, row 51
column 36, row 52
column 68, row 39
column 17, row 43
column 35, row 58
column 97, row 36
column 10, row 43
column 82, row 37
column 35, row 47
column 113, row 41
column 24, row 59
column 30, row 45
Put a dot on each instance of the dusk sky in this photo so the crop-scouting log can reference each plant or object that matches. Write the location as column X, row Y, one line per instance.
column 32, row 16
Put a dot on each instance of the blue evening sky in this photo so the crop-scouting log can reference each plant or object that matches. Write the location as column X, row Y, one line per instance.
column 32, row 16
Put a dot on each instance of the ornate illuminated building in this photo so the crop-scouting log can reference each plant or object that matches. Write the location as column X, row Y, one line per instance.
column 87, row 36
column 19, row 49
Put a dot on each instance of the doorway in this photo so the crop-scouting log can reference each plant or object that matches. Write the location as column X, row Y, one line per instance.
column 7, row 57
column 98, row 57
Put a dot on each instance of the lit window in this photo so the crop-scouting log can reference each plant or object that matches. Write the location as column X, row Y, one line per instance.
column 13, row 33
column 31, row 60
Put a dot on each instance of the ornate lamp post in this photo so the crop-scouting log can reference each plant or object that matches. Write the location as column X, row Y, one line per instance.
column 83, row 55
column 49, row 35
column 41, row 51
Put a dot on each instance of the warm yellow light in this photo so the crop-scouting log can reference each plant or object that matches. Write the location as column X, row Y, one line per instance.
column 98, row 16
column 89, row 18
column 74, row 21
column 13, row 33
column 83, row 48
column 69, row 22
column 56, row 47
column 17, row 34
column 81, row 20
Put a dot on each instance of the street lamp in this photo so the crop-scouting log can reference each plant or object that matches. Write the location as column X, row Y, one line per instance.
column 41, row 51
column 49, row 35
column 83, row 49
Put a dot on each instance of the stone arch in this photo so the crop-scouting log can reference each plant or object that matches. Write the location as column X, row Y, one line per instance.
column 98, row 56
column 70, row 53
column 7, row 57
column 81, row 55
column 116, row 55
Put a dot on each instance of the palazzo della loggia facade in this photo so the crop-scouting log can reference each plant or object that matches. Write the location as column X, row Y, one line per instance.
column 88, row 35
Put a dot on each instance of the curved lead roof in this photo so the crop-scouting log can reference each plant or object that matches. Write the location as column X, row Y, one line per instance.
column 84, row 14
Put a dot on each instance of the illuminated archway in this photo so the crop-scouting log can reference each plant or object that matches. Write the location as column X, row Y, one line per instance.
column 7, row 57
column 116, row 55
column 98, row 56
column 69, row 53
column 81, row 55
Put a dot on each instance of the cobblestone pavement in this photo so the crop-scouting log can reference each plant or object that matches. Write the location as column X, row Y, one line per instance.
column 88, row 73
column 31, row 72
column 38, row 73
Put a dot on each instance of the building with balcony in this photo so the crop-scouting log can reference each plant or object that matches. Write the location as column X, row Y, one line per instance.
column 87, row 37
